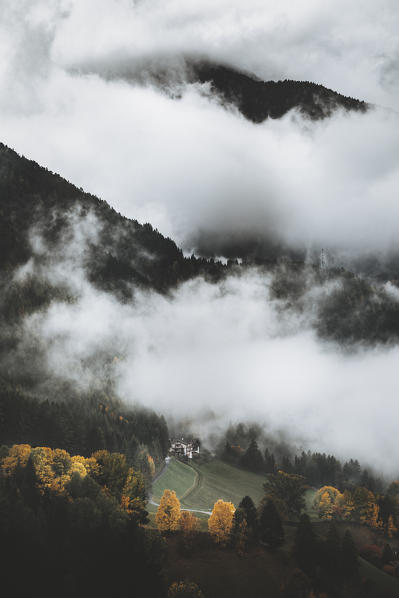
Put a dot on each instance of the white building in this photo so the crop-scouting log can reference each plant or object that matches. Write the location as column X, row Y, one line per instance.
column 184, row 448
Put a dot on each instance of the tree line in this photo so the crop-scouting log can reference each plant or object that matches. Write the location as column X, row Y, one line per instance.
column 318, row 469
column 84, row 424
column 72, row 526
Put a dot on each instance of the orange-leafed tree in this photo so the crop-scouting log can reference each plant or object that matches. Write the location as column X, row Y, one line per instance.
column 188, row 526
column 221, row 521
column 168, row 512
column 17, row 456
column 326, row 507
column 327, row 501
column 346, row 505
column 188, row 523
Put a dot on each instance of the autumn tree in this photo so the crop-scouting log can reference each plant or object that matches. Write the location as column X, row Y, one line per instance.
column 188, row 526
column 326, row 501
column 345, row 505
column 168, row 513
column 271, row 530
column 365, row 507
column 221, row 520
column 112, row 471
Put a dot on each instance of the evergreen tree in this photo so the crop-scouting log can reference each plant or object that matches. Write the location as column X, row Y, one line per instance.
column 350, row 563
column 270, row 462
column 271, row 530
column 250, row 515
column 242, row 539
column 332, row 551
column 305, row 545
column 252, row 458
column 286, row 490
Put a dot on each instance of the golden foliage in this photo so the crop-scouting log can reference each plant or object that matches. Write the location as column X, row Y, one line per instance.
column 54, row 468
column 346, row 505
column 327, row 502
column 18, row 456
column 168, row 513
column 188, row 523
column 151, row 465
column 221, row 520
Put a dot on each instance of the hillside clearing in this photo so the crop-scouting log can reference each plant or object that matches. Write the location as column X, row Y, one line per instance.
column 200, row 486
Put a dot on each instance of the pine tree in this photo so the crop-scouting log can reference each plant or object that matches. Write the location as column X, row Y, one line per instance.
column 332, row 551
column 242, row 540
column 271, row 530
column 270, row 463
column 250, row 515
column 252, row 458
column 349, row 561
column 305, row 546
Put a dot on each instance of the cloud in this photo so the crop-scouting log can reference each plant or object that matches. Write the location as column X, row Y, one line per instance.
column 192, row 168
column 228, row 350
column 348, row 47
column 188, row 166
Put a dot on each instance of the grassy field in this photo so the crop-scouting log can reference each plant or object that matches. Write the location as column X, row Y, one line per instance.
column 200, row 486
column 217, row 479
column 177, row 476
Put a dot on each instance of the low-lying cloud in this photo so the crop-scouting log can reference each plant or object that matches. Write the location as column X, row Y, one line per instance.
column 71, row 100
column 226, row 349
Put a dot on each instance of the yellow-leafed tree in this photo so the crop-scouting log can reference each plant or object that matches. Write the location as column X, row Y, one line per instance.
column 221, row 520
column 188, row 523
column 168, row 513
column 326, row 507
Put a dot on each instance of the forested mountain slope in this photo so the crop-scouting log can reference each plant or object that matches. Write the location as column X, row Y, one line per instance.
column 124, row 252
column 258, row 100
